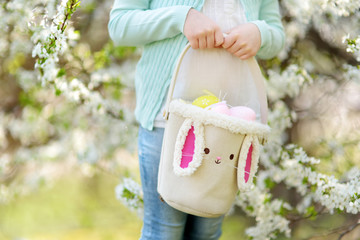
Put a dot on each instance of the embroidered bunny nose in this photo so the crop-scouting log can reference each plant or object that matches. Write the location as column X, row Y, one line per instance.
column 218, row 158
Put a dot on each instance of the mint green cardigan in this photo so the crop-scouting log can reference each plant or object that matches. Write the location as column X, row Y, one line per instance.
column 158, row 26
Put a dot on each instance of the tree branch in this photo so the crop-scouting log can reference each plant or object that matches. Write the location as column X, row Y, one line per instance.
column 350, row 229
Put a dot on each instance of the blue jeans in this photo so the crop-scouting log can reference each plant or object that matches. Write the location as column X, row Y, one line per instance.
column 162, row 222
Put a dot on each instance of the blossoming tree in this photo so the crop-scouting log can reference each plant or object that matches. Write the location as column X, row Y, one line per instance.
column 68, row 95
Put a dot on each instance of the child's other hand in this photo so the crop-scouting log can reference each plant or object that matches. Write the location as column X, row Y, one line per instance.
column 243, row 41
column 201, row 31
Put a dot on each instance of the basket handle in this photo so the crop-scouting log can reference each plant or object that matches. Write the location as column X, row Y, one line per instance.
column 173, row 82
column 252, row 64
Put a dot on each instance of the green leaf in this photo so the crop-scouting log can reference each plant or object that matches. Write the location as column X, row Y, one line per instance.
column 269, row 183
column 121, row 115
column 250, row 208
column 57, row 92
column 311, row 212
column 305, row 180
column 267, row 199
column 61, row 73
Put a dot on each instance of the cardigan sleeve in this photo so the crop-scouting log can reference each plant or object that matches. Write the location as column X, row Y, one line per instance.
column 133, row 23
column 271, row 29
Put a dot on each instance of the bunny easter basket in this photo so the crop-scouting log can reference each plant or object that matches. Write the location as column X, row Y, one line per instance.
column 208, row 156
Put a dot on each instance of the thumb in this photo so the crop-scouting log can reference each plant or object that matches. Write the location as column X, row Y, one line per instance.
column 219, row 38
column 228, row 41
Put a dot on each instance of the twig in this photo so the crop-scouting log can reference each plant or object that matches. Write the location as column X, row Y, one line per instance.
column 294, row 219
column 337, row 230
column 350, row 229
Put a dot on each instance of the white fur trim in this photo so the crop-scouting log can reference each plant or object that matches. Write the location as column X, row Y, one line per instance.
column 207, row 117
column 198, row 151
column 248, row 141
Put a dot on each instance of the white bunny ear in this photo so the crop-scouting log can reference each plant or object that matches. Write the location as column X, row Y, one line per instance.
column 189, row 148
column 248, row 161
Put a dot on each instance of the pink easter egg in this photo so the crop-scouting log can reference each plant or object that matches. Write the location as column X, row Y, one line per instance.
column 243, row 113
column 220, row 107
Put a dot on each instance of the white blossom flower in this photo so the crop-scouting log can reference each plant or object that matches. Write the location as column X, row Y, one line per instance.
column 130, row 194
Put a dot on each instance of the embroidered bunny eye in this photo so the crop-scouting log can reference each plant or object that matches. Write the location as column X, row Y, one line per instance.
column 231, row 156
column 206, row 150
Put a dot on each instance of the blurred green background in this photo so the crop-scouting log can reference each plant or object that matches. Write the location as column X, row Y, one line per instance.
column 81, row 208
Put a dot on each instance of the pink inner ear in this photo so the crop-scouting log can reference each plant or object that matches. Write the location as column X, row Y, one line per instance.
column 188, row 149
column 248, row 164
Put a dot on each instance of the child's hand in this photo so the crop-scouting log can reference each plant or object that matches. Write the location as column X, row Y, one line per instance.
column 201, row 31
column 243, row 41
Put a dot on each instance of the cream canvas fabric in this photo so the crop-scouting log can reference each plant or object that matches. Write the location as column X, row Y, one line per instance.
column 208, row 187
column 224, row 150
column 229, row 78
column 207, row 157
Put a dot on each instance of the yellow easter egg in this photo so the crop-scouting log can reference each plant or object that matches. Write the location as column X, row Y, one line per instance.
column 205, row 101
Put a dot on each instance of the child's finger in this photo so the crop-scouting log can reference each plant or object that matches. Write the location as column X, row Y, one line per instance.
column 219, row 38
column 202, row 42
column 210, row 41
column 245, row 56
column 194, row 43
column 236, row 47
column 245, row 53
column 241, row 53
column 229, row 41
